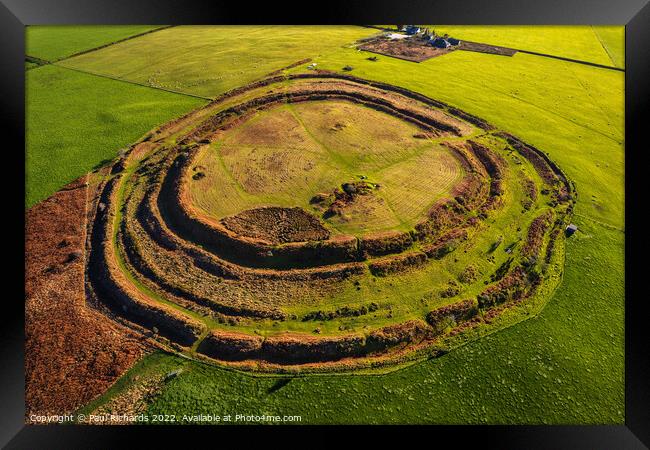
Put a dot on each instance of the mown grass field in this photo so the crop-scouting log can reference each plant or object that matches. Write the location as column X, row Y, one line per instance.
column 75, row 122
column 54, row 42
column 595, row 44
column 564, row 366
column 208, row 60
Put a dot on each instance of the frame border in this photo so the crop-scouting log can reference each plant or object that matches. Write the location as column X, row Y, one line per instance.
column 635, row 14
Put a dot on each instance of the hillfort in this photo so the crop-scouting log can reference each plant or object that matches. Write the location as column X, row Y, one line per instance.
column 320, row 221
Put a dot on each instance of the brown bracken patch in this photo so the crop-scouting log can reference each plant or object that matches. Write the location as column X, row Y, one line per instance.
column 72, row 352
column 277, row 225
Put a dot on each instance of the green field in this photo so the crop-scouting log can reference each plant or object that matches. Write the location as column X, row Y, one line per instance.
column 75, row 122
column 576, row 42
column 54, row 42
column 208, row 61
column 564, row 366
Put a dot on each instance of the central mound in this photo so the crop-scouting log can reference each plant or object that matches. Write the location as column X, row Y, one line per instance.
column 275, row 225
column 285, row 155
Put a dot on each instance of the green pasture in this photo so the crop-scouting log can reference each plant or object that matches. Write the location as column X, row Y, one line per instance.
column 595, row 44
column 54, row 42
column 209, row 60
column 76, row 122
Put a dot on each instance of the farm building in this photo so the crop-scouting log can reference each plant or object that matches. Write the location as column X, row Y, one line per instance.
column 412, row 29
column 440, row 43
column 453, row 41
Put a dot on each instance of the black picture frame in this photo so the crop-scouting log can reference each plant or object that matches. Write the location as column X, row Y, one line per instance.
column 634, row 14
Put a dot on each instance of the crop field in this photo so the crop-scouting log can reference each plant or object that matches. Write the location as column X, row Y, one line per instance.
column 298, row 227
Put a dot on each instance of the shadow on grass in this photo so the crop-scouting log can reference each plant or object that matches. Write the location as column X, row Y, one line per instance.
column 102, row 163
column 282, row 382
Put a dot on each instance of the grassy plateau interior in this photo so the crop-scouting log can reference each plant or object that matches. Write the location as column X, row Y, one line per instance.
column 287, row 155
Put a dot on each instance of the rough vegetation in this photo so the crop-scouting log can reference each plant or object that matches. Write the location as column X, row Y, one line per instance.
column 277, row 225
column 72, row 353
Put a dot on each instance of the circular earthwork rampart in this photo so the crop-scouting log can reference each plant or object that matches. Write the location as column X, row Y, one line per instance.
column 280, row 286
